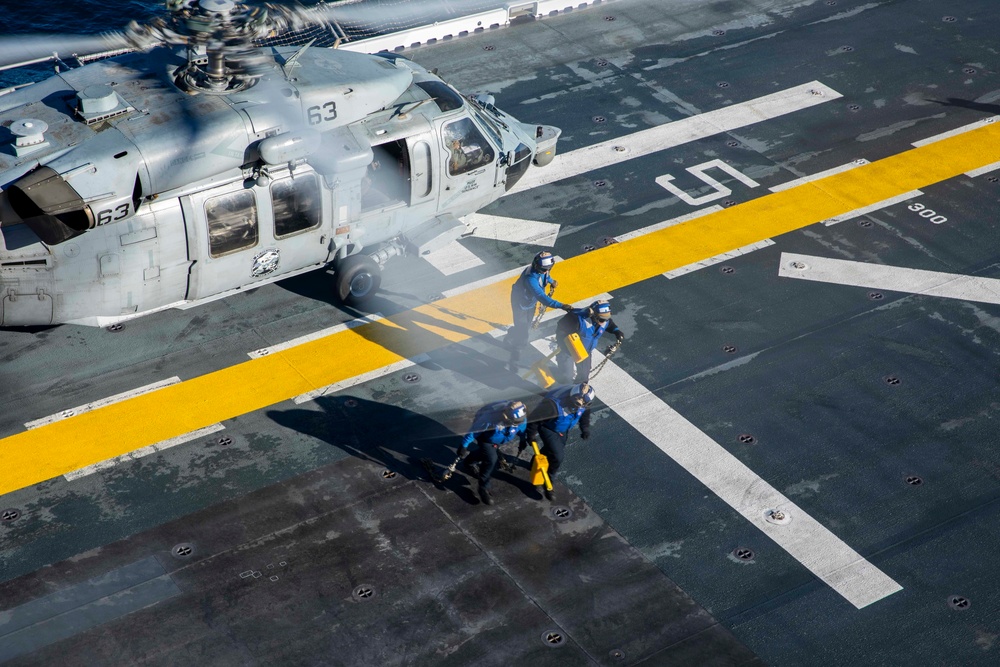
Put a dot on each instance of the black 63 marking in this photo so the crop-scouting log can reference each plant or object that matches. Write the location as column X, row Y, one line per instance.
column 322, row 112
column 112, row 214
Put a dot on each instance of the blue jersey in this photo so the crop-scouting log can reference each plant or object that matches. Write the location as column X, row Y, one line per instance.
column 578, row 321
column 530, row 289
column 488, row 427
column 557, row 413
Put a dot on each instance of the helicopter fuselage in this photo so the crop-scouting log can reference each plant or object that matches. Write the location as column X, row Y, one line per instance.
column 128, row 194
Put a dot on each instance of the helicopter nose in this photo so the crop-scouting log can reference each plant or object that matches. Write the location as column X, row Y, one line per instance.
column 546, row 137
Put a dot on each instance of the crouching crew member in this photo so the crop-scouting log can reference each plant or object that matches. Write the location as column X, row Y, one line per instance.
column 561, row 409
column 589, row 323
column 529, row 291
column 494, row 425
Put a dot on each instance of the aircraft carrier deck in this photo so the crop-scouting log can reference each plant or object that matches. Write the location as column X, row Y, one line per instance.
column 793, row 208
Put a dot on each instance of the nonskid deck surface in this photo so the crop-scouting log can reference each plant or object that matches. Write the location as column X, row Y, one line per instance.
column 822, row 344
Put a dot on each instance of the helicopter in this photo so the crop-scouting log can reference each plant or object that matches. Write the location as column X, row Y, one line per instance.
column 197, row 161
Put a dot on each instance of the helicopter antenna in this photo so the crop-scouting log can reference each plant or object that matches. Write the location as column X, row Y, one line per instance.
column 292, row 60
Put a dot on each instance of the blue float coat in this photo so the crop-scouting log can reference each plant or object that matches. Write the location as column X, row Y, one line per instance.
column 488, row 427
column 578, row 321
column 555, row 413
column 529, row 289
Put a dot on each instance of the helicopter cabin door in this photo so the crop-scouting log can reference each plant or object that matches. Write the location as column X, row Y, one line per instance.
column 245, row 236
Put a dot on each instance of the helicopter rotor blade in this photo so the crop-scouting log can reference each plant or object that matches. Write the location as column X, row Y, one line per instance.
column 18, row 50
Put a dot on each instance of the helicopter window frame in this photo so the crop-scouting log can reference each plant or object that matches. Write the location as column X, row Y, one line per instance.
column 445, row 97
column 287, row 218
column 487, row 124
column 474, row 150
column 237, row 228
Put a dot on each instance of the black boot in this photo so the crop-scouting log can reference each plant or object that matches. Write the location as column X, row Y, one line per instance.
column 485, row 496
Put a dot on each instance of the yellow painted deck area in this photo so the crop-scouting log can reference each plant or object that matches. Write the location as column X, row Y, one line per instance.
column 35, row 456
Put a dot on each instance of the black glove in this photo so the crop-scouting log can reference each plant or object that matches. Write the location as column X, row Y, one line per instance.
column 620, row 336
column 567, row 307
column 554, row 284
column 584, row 433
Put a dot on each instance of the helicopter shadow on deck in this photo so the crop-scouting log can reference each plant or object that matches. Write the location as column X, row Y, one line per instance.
column 393, row 438
column 969, row 104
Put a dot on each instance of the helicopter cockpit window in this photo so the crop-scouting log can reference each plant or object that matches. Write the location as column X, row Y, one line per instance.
column 296, row 204
column 443, row 95
column 232, row 222
column 467, row 146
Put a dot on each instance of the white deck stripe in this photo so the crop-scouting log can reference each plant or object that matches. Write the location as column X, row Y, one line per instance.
column 890, row 278
column 676, row 133
column 718, row 259
column 117, row 398
column 144, row 451
column 513, row 230
column 453, row 258
column 958, row 130
column 805, row 539
column 483, row 282
column 667, row 223
column 983, row 170
column 360, row 379
column 823, row 174
column 264, row 351
column 865, row 210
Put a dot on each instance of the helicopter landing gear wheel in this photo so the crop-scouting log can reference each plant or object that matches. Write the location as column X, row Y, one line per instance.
column 358, row 278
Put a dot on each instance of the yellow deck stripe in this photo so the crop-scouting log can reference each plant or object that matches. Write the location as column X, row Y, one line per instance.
column 71, row 444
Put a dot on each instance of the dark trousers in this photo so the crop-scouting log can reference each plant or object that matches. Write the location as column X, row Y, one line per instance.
column 553, row 447
column 517, row 336
column 487, row 457
column 571, row 372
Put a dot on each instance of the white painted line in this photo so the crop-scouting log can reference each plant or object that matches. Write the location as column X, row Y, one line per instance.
column 117, row 398
column 698, row 171
column 667, row 223
column 823, row 174
column 360, row 379
column 513, row 230
column 959, row 130
column 488, row 280
column 419, row 359
column 889, row 278
column 265, row 351
column 144, row 451
column 670, row 135
column 983, row 170
column 865, row 210
column 732, row 254
column 804, row 538
column 453, row 258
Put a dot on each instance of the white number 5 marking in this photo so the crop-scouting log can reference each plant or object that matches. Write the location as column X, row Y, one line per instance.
column 698, row 171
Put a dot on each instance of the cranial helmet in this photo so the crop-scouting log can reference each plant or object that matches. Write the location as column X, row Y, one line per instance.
column 600, row 310
column 582, row 394
column 515, row 413
column 543, row 261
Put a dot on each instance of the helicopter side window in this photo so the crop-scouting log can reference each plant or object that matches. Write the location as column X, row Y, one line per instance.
column 232, row 222
column 296, row 203
column 467, row 147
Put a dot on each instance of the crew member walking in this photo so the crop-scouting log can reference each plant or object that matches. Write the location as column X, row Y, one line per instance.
column 525, row 295
column 561, row 409
column 589, row 323
column 495, row 424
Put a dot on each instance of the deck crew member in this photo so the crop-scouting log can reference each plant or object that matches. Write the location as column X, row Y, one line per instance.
column 529, row 291
column 561, row 409
column 495, row 424
column 589, row 323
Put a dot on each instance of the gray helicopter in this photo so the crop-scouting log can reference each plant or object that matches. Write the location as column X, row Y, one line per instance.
column 199, row 162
